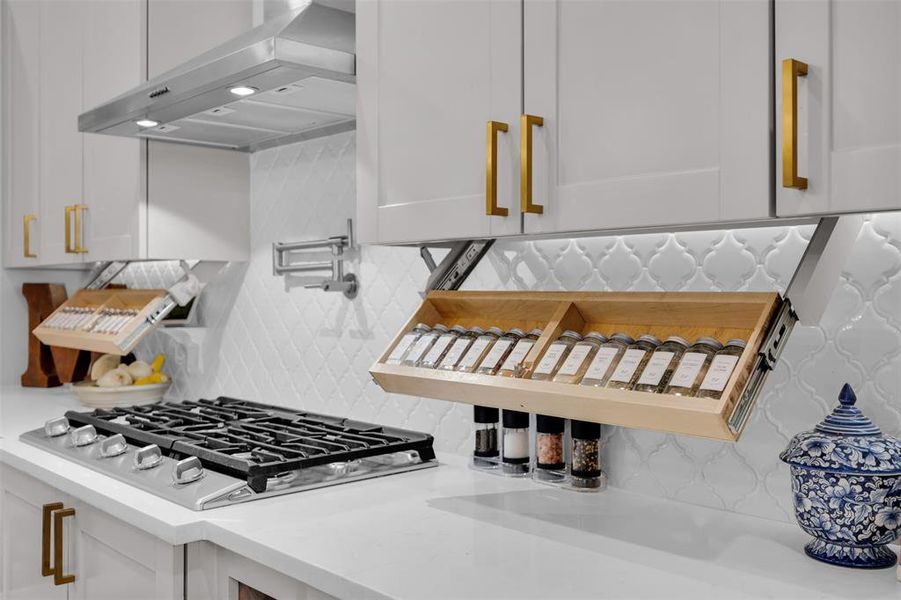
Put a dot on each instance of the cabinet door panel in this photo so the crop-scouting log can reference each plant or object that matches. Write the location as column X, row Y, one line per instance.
column 430, row 75
column 655, row 112
column 849, row 104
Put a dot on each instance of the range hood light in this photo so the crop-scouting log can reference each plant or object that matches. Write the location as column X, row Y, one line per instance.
column 145, row 123
column 243, row 90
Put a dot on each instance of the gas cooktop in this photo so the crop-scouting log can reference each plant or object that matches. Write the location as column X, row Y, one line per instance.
column 212, row 453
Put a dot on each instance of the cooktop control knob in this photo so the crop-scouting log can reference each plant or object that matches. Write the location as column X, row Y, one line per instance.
column 148, row 457
column 83, row 436
column 56, row 427
column 187, row 471
column 113, row 446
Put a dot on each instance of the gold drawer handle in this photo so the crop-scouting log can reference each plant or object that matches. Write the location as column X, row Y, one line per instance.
column 525, row 170
column 26, row 240
column 77, row 248
column 491, row 207
column 46, row 567
column 791, row 70
column 59, row 578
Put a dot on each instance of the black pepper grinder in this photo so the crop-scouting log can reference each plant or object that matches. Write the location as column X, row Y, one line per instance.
column 487, row 451
column 586, row 457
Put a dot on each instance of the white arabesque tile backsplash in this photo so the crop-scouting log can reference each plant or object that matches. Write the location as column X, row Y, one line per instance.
column 271, row 340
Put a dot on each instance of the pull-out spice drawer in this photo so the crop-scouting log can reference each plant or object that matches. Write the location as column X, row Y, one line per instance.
column 722, row 315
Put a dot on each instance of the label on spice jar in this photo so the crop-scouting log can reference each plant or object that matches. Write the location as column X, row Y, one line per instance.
column 475, row 351
column 627, row 365
column 402, row 346
column 719, row 372
column 574, row 361
column 688, row 369
column 550, row 359
column 520, row 350
column 439, row 347
column 453, row 355
column 601, row 363
column 420, row 347
column 495, row 354
column 656, row 367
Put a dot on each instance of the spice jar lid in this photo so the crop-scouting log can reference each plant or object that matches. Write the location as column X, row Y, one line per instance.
column 422, row 327
column 709, row 341
column 496, row 331
column 546, row 424
column 595, row 336
column 622, row 337
column 536, row 332
column 476, row 330
column 441, row 328
column 847, row 442
column 652, row 339
column 679, row 340
column 485, row 414
column 584, row 430
column 517, row 332
column 737, row 342
column 571, row 334
column 458, row 329
column 515, row 419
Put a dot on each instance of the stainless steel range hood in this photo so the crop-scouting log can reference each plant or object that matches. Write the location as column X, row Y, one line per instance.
column 298, row 72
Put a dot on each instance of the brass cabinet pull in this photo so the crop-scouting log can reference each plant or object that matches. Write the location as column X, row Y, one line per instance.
column 59, row 578
column 68, row 224
column 525, row 169
column 76, row 248
column 791, row 70
column 46, row 567
column 491, row 207
column 26, row 240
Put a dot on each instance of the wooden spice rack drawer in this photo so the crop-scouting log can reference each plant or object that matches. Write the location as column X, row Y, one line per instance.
column 133, row 306
column 723, row 315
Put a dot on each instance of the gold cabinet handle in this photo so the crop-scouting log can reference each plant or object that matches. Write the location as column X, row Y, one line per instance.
column 46, row 567
column 791, row 70
column 526, row 122
column 68, row 224
column 26, row 238
column 59, row 578
column 491, row 207
column 76, row 210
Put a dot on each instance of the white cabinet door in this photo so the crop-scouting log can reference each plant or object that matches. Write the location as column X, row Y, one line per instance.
column 430, row 75
column 21, row 124
column 848, row 115
column 21, row 521
column 655, row 112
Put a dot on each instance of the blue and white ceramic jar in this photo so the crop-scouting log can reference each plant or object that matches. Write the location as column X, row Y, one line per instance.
column 846, row 479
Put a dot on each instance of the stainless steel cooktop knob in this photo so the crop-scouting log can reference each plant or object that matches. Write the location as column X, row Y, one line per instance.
column 83, row 436
column 113, row 446
column 148, row 457
column 187, row 470
column 56, row 427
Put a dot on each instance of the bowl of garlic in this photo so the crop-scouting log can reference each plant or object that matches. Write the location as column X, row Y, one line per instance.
column 115, row 384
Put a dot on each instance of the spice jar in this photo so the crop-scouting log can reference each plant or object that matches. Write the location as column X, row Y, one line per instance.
column 400, row 350
column 586, row 459
column 514, row 360
column 515, row 450
column 486, row 451
column 438, row 350
column 693, row 367
column 478, row 349
column 555, row 355
column 459, row 348
column 720, row 369
column 500, row 351
column 573, row 368
column 423, row 345
column 605, row 360
column 656, row 374
column 632, row 363
column 549, row 443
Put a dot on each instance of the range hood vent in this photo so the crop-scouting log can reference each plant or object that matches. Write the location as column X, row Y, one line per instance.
column 291, row 79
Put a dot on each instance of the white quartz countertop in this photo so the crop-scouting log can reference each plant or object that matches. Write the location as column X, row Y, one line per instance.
column 450, row 532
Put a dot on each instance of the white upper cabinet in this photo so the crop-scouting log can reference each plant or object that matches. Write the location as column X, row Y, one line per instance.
column 430, row 76
column 654, row 112
column 846, row 117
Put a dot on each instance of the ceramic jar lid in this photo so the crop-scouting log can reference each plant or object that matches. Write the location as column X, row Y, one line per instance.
column 846, row 441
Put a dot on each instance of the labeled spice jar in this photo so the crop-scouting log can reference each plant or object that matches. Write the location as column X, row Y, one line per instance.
column 586, row 456
column 515, row 449
column 693, row 367
column 487, row 450
column 549, row 443
column 444, row 342
column 513, row 364
column 632, row 362
column 406, row 342
column 422, row 345
column 500, row 351
column 659, row 369
column 555, row 355
column 605, row 360
column 573, row 368
column 720, row 369
column 459, row 348
column 479, row 348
